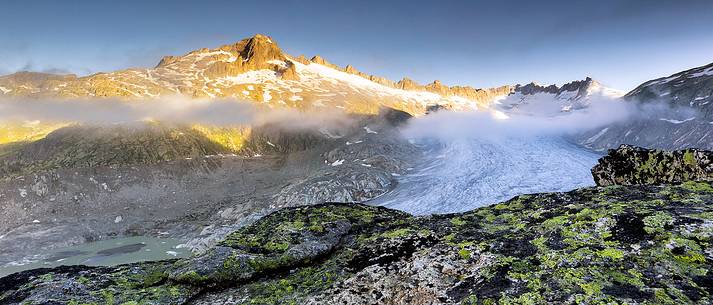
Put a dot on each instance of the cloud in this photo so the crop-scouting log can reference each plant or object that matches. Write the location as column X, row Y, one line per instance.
column 492, row 124
column 174, row 109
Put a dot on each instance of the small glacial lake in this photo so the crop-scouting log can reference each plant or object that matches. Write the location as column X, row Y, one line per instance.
column 102, row 253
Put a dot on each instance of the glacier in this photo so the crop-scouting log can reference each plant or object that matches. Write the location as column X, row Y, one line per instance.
column 463, row 174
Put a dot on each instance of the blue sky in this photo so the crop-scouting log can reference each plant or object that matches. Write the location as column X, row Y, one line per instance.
column 478, row 43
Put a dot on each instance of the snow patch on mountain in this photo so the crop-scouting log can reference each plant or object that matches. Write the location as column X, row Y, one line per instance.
column 315, row 76
column 706, row 72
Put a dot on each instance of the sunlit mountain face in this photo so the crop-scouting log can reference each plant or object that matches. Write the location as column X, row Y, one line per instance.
column 242, row 172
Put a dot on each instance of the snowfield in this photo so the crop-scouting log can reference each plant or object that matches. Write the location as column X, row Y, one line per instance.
column 465, row 174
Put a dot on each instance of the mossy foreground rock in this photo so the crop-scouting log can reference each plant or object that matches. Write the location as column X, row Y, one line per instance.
column 604, row 245
column 629, row 165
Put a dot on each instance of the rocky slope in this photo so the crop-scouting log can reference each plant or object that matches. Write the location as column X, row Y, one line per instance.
column 690, row 88
column 160, row 180
column 674, row 112
column 617, row 244
column 255, row 69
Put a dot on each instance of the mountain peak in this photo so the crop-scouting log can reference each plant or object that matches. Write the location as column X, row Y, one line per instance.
column 259, row 48
column 253, row 51
column 578, row 85
column 407, row 84
column 321, row 61
column 261, row 37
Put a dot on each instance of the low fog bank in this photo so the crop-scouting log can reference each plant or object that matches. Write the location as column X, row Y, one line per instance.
column 174, row 110
column 491, row 124
column 495, row 124
column 473, row 159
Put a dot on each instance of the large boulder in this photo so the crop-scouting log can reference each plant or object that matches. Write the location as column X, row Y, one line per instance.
column 630, row 165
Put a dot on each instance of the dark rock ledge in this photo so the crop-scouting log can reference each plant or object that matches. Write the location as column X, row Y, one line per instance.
column 629, row 165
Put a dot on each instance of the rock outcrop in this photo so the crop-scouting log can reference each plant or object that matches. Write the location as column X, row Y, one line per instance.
column 636, row 244
column 533, row 88
column 629, row 165
column 580, row 87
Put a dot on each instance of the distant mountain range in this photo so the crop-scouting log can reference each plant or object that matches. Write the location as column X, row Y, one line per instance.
column 257, row 69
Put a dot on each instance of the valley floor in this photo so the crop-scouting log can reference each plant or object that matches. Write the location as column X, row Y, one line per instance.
column 200, row 201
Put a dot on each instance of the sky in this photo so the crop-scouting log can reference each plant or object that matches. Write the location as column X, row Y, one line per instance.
column 478, row 43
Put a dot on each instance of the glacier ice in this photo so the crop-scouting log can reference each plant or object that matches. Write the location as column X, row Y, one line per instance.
column 464, row 174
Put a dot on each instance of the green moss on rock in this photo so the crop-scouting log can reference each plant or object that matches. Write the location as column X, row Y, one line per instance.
column 634, row 244
column 629, row 165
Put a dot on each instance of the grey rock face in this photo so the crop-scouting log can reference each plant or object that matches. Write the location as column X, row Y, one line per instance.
column 580, row 86
column 359, row 168
column 349, row 184
column 425, row 278
column 691, row 88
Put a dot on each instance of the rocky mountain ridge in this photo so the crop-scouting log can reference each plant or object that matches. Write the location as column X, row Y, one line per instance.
column 258, row 70
column 255, row 69
column 673, row 112
column 691, row 88
column 552, row 100
column 581, row 87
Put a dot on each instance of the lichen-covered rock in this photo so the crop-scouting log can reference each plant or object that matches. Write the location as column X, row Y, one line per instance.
column 629, row 165
column 603, row 245
column 129, row 284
